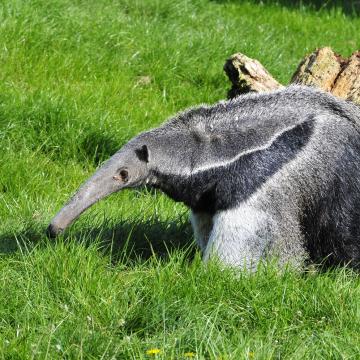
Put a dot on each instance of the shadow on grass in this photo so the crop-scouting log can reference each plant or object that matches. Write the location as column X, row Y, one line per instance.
column 348, row 7
column 126, row 241
column 139, row 240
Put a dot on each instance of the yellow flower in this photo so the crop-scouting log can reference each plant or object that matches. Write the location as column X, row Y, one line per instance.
column 153, row 351
column 189, row 354
column 251, row 355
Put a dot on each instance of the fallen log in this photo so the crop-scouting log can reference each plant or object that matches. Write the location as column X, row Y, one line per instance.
column 347, row 84
column 323, row 68
column 248, row 75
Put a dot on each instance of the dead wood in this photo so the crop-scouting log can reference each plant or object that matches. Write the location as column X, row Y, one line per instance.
column 323, row 68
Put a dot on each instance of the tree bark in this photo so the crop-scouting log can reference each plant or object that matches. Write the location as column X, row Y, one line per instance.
column 319, row 69
column 347, row 84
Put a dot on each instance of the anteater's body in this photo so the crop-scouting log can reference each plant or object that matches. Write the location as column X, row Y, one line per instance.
column 263, row 174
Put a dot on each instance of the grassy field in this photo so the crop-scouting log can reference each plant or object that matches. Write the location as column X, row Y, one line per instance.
column 79, row 79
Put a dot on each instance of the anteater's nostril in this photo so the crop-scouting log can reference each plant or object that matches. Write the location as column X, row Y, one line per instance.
column 52, row 231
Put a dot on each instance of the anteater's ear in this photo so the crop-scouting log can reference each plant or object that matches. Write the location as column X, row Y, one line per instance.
column 143, row 153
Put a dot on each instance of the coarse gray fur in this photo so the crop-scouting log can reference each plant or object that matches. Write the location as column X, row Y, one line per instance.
column 263, row 174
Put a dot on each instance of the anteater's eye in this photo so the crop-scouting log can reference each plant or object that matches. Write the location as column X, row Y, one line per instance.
column 124, row 174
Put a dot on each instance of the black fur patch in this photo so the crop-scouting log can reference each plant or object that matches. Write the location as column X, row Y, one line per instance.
column 224, row 187
column 330, row 222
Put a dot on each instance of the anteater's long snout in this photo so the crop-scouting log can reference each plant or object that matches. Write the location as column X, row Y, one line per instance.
column 100, row 185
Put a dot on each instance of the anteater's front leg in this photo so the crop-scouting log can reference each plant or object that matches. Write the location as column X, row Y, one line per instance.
column 202, row 224
column 240, row 236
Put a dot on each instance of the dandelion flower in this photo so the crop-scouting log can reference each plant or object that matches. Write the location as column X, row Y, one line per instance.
column 153, row 351
column 189, row 354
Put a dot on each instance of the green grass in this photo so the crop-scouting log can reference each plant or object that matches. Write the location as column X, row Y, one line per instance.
column 126, row 277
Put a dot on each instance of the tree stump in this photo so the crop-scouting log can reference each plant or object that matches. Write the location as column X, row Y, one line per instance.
column 323, row 69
